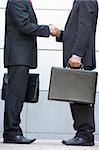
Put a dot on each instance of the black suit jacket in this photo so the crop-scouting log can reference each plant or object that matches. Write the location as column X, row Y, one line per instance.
column 79, row 35
column 21, row 29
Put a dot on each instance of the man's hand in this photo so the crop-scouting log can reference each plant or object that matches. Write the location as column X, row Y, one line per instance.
column 54, row 31
column 75, row 62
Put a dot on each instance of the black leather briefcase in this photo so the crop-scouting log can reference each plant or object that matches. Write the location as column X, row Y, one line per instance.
column 72, row 85
column 32, row 92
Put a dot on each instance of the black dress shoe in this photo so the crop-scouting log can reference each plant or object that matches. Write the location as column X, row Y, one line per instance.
column 19, row 139
column 78, row 141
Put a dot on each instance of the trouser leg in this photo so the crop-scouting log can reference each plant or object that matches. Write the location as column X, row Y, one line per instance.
column 83, row 116
column 17, row 84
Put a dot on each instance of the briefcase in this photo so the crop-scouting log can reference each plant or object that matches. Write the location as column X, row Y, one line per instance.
column 32, row 92
column 72, row 85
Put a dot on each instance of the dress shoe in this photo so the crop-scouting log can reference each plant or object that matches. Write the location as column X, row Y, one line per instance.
column 19, row 139
column 78, row 141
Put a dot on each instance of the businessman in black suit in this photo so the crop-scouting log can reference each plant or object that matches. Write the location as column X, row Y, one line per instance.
column 20, row 55
column 79, row 47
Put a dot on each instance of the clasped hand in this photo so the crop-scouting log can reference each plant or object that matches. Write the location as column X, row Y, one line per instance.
column 54, row 31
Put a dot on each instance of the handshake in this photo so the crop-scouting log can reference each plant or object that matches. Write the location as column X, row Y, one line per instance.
column 54, row 31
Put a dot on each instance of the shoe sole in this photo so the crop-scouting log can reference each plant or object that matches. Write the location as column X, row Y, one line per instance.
column 84, row 144
column 13, row 142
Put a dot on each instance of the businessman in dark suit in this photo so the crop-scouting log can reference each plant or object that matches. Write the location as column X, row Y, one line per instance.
column 79, row 47
column 20, row 55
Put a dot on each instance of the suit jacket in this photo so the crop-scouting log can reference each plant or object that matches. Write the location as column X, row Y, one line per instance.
column 79, row 35
column 21, row 30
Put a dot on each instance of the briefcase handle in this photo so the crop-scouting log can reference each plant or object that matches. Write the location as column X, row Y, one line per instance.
column 81, row 66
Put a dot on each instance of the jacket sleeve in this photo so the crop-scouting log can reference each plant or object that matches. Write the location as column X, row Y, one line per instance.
column 19, row 13
column 84, row 29
column 60, row 38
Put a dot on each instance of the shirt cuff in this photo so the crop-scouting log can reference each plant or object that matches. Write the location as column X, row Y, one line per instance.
column 76, row 56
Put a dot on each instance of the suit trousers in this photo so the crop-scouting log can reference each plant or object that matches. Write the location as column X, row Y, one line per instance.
column 17, row 84
column 83, row 116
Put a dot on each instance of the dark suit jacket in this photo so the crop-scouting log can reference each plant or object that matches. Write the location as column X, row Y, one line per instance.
column 79, row 35
column 21, row 29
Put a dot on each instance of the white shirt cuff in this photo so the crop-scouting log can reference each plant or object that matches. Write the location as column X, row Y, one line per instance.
column 76, row 56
